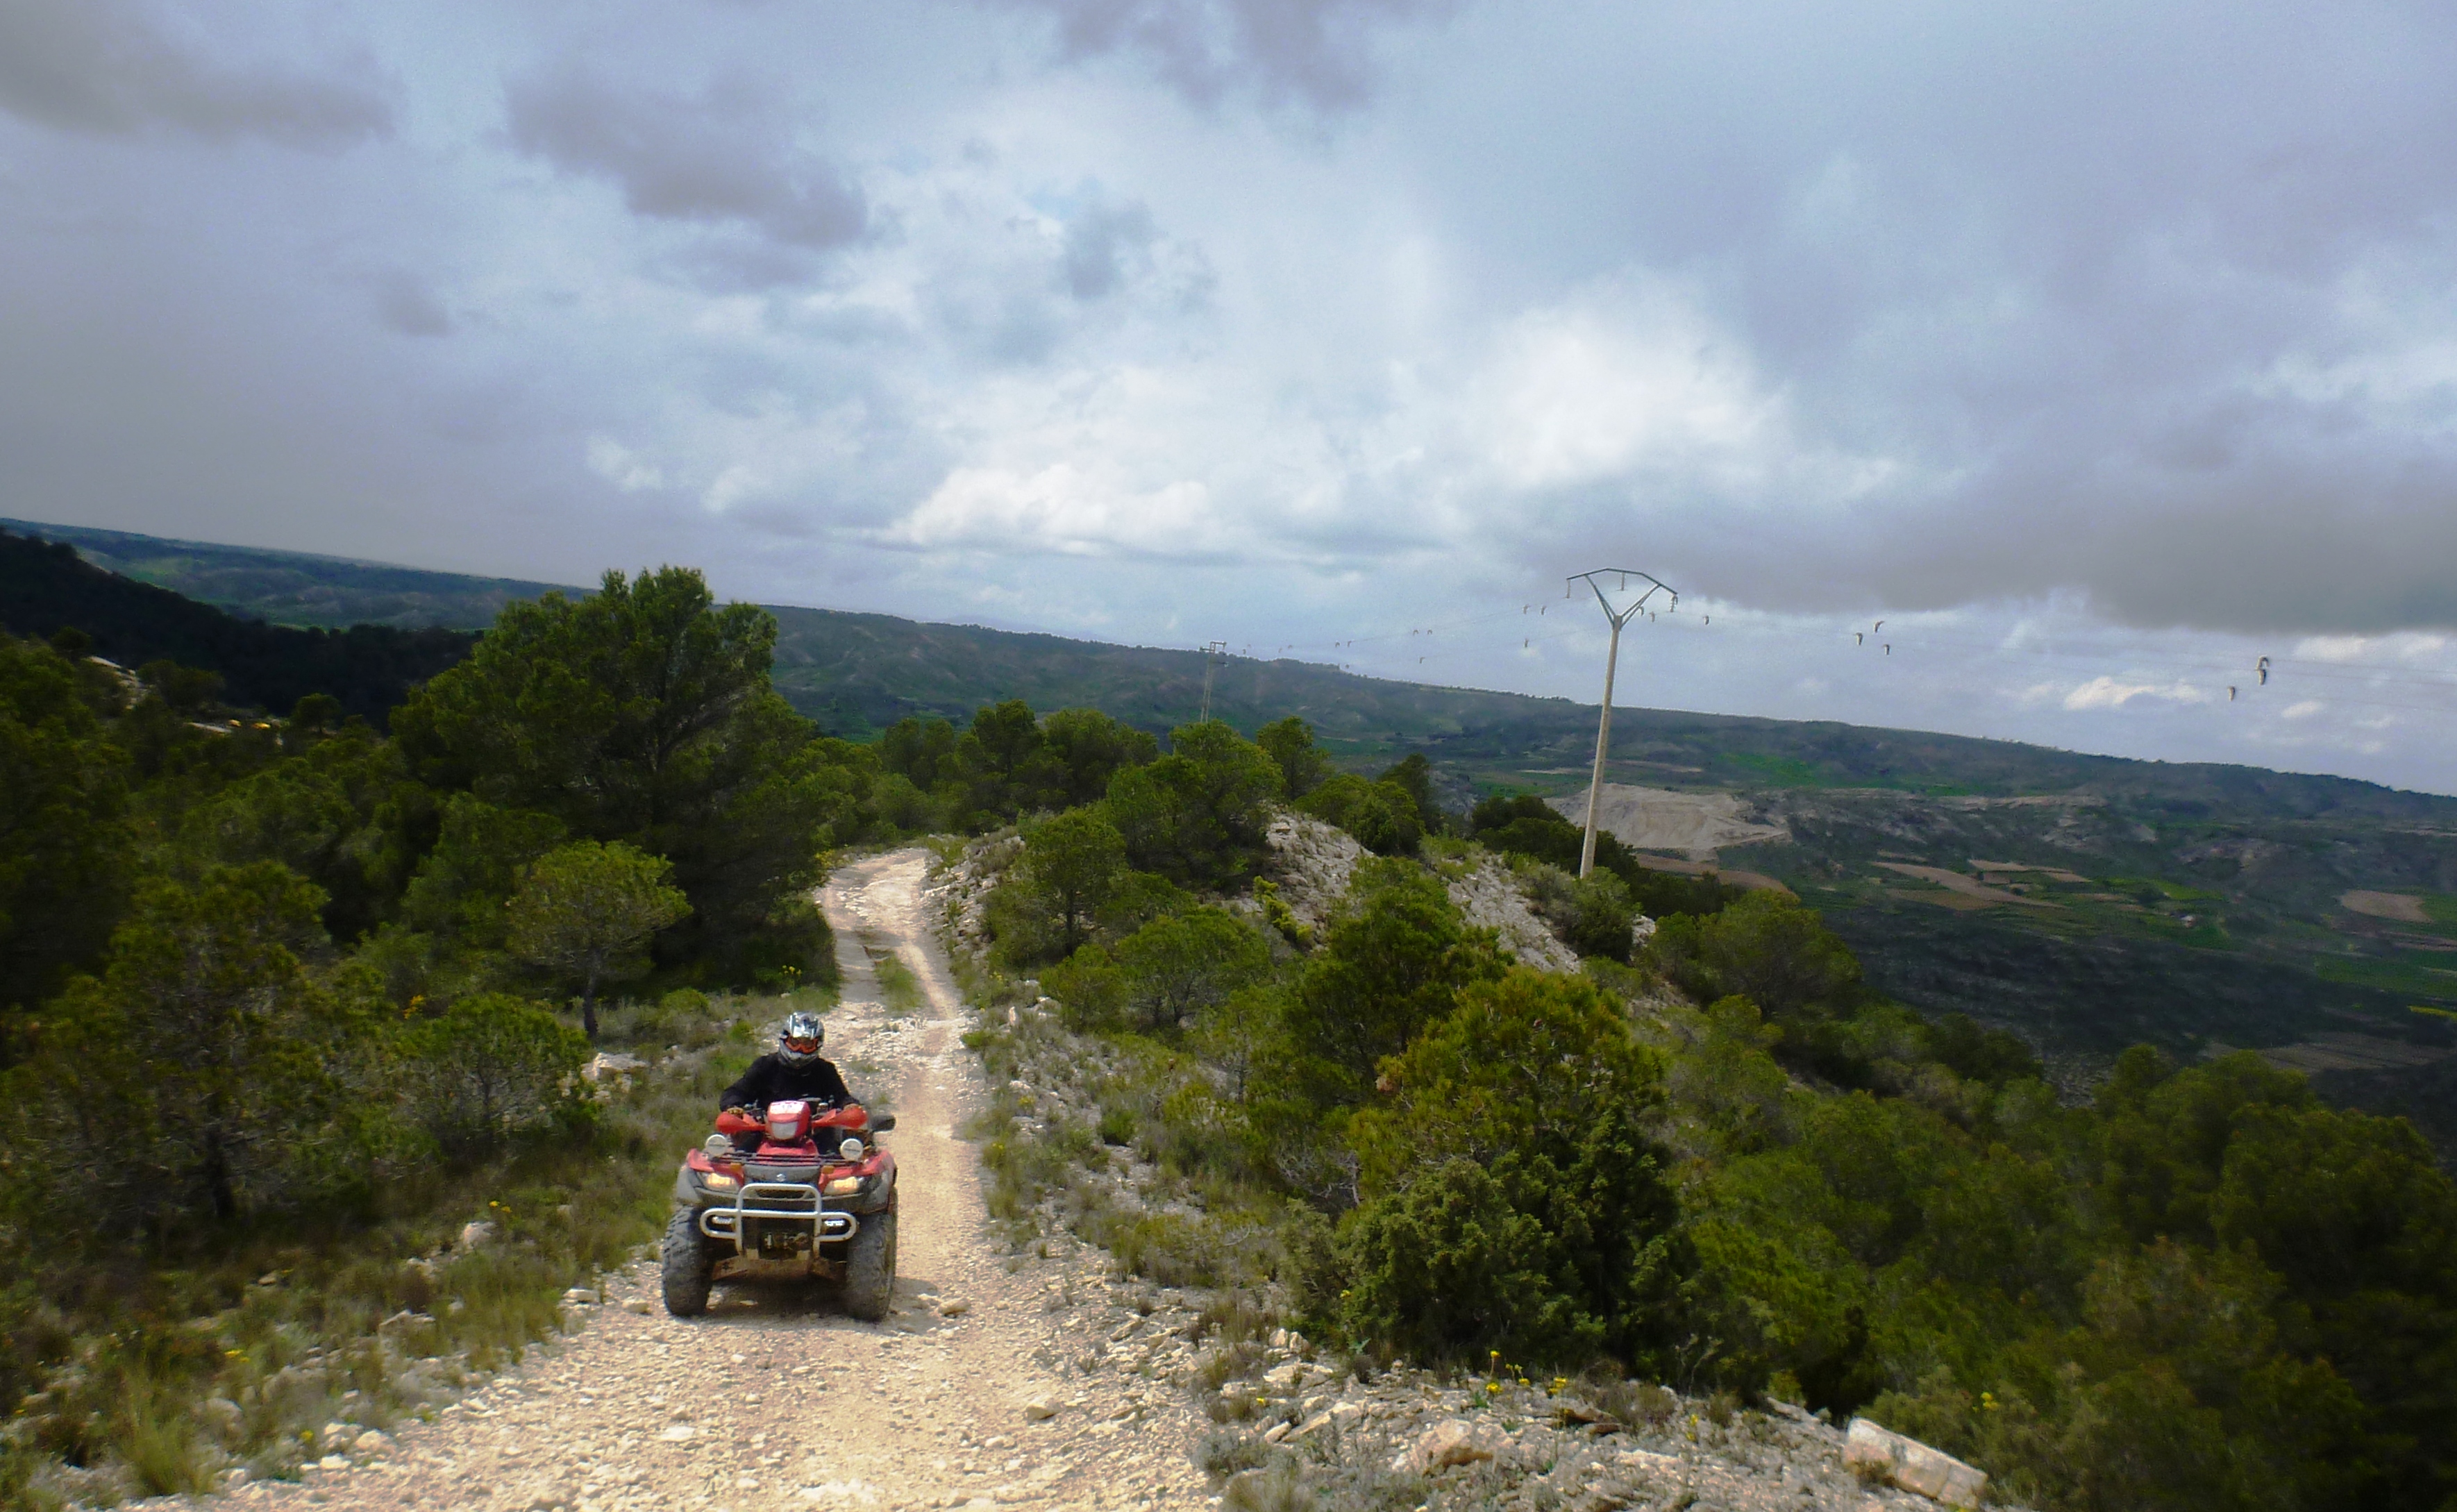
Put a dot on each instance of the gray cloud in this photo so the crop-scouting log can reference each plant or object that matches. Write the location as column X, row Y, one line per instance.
column 1104, row 242
column 108, row 67
column 2139, row 311
column 731, row 154
column 1310, row 51
column 406, row 305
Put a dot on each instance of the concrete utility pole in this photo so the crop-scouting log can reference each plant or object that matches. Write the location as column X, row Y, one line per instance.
column 1612, row 659
column 1213, row 651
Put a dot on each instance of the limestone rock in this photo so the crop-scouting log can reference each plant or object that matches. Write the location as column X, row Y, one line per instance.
column 223, row 1416
column 1455, row 1443
column 1912, row 1465
column 1040, row 1409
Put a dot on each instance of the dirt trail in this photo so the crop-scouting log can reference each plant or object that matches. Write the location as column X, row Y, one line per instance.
column 777, row 1399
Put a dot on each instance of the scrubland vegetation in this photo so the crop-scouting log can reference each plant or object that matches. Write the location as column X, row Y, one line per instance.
column 1718, row 1161
column 286, row 1004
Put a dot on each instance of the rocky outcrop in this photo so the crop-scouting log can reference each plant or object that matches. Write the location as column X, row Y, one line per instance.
column 1884, row 1455
column 1312, row 862
column 1488, row 893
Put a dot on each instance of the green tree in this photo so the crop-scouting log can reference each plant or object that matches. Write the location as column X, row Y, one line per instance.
column 1390, row 963
column 1514, row 1199
column 65, row 836
column 1414, row 775
column 344, row 814
column 213, row 1054
column 1000, row 763
column 462, row 885
column 1766, row 947
column 1072, row 861
column 1380, row 814
column 1083, row 749
column 918, row 750
column 490, row 1069
column 1176, row 967
column 584, row 912
column 644, row 715
column 1523, row 824
column 1198, row 815
column 1289, row 742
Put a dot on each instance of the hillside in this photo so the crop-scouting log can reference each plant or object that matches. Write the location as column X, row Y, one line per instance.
column 293, row 587
column 2204, row 905
column 45, row 587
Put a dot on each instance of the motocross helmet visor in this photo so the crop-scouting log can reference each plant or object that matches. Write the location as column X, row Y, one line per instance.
column 800, row 1039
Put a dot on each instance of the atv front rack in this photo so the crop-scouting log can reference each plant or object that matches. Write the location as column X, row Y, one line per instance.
column 725, row 1223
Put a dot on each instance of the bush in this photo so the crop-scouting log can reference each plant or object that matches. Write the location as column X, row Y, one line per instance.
column 1594, row 915
column 1766, row 947
column 1517, row 1202
column 1380, row 814
column 1198, row 815
column 491, row 1070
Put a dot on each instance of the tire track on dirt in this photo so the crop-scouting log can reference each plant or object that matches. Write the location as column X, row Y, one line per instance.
column 779, row 1398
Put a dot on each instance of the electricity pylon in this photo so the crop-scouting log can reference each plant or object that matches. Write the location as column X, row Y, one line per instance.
column 1611, row 660
column 1212, row 653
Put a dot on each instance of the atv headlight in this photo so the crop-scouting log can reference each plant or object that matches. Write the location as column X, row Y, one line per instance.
column 719, row 1181
column 844, row 1186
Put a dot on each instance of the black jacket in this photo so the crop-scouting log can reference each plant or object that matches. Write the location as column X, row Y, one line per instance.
column 770, row 1080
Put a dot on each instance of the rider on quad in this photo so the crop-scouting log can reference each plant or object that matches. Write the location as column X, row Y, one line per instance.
column 794, row 1069
column 793, row 1186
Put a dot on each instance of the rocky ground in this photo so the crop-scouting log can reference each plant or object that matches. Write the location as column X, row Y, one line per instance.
column 1035, row 1378
column 994, row 1382
column 1285, row 1426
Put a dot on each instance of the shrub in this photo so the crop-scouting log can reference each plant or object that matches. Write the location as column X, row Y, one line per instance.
column 1594, row 914
column 1516, row 1200
column 1197, row 815
column 1380, row 814
column 491, row 1069
column 1766, row 947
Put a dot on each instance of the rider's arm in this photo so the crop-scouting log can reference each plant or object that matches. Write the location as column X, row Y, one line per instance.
column 750, row 1092
column 837, row 1093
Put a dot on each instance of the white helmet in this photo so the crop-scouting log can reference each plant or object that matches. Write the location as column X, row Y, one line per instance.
column 798, row 1042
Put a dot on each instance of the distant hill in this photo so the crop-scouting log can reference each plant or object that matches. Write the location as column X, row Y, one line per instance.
column 2195, row 905
column 46, row 587
column 293, row 587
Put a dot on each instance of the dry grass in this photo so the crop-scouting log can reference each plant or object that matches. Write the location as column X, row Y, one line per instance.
column 160, row 1373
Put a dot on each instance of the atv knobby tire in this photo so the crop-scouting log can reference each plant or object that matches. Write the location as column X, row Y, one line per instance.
column 685, row 1265
column 870, row 1267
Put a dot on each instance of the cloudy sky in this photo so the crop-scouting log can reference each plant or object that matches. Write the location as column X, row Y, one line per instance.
column 2099, row 350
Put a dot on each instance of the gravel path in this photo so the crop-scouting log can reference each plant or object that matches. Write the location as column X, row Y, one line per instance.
column 776, row 1399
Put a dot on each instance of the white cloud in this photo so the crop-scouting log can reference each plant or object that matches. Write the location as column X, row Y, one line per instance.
column 2332, row 648
column 1061, row 509
column 1627, row 376
column 622, row 466
column 2111, row 693
column 2303, row 709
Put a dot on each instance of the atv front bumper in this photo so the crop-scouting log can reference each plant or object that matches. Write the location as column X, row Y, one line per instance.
column 777, row 1230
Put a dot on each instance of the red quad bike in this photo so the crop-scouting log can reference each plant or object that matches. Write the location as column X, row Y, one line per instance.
column 799, row 1195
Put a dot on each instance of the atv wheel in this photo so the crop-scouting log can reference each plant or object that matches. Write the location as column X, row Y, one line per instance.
column 685, row 1265
column 870, row 1267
